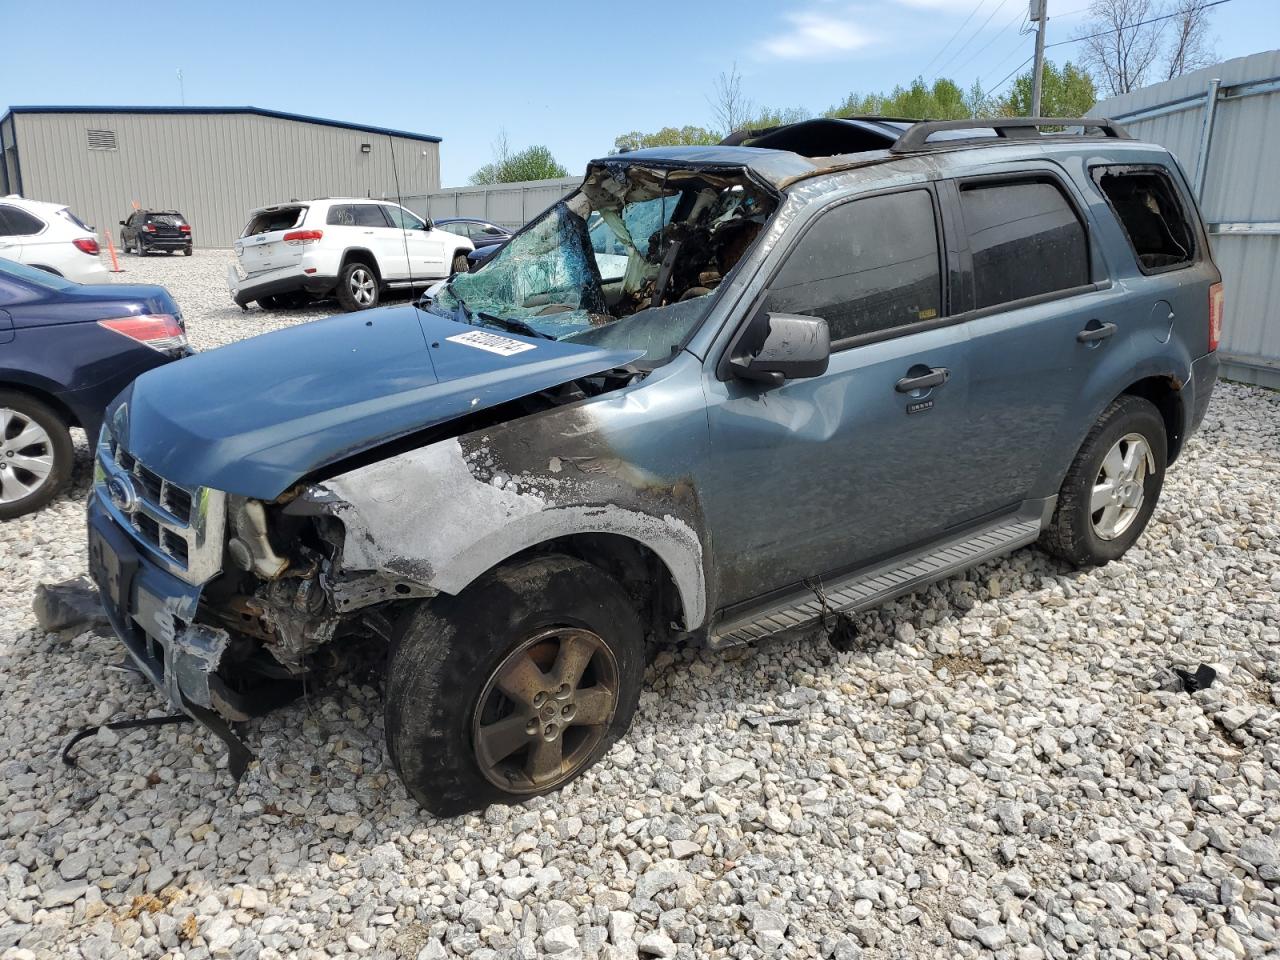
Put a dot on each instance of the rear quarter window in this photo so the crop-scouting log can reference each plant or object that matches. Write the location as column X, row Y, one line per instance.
column 1152, row 214
column 18, row 223
column 270, row 221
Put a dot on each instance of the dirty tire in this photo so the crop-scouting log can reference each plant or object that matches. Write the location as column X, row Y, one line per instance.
column 447, row 649
column 58, row 446
column 460, row 263
column 357, row 273
column 1071, row 533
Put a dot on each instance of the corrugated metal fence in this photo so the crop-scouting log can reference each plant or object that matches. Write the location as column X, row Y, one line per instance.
column 509, row 205
column 1223, row 125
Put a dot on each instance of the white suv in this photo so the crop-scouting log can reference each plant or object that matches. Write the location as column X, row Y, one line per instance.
column 349, row 248
column 51, row 237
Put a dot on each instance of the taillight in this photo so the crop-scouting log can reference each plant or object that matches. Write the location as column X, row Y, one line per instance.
column 150, row 228
column 1215, row 315
column 159, row 331
column 185, row 228
column 87, row 245
column 297, row 237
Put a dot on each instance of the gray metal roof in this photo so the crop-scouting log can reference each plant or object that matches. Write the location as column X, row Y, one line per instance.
column 258, row 111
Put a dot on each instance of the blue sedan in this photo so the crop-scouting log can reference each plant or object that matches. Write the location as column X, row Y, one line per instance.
column 66, row 350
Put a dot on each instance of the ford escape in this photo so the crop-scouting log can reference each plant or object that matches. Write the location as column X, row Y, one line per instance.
column 713, row 395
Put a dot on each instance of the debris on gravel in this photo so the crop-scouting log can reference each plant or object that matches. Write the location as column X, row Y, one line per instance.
column 999, row 767
column 68, row 605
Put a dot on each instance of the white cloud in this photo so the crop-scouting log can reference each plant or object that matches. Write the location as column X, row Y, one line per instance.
column 816, row 34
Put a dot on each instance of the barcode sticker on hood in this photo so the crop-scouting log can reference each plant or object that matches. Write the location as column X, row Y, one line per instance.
column 503, row 346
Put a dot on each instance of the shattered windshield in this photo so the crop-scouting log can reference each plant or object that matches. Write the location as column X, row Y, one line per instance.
column 630, row 261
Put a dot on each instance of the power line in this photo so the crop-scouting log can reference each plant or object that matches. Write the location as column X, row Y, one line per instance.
column 960, row 49
column 999, row 64
column 1017, row 21
column 1131, row 26
column 1010, row 74
column 953, row 36
column 1104, row 33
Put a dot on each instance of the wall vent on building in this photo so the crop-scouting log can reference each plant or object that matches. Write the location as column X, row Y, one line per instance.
column 101, row 139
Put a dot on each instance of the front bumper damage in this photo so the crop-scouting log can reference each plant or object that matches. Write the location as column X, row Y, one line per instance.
column 153, row 613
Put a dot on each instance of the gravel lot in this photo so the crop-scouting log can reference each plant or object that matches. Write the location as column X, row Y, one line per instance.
column 1004, row 766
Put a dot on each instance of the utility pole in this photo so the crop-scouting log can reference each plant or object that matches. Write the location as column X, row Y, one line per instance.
column 1039, row 15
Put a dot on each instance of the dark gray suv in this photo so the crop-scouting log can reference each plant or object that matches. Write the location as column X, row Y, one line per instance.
column 715, row 394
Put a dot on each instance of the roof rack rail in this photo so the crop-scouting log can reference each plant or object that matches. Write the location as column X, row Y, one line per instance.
column 916, row 138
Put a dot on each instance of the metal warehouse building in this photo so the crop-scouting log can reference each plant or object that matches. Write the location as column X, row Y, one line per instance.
column 214, row 164
column 1223, row 124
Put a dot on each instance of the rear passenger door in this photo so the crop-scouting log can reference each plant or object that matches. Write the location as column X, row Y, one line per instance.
column 814, row 477
column 365, row 225
column 1041, row 316
column 20, row 234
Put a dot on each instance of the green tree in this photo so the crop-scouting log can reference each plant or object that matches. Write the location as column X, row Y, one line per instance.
column 767, row 117
column 1065, row 92
column 531, row 163
column 944, row 100
column 686, row 136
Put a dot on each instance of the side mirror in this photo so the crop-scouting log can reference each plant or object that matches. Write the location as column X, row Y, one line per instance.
column 495, row 232
column 428, row 224
column 794, row 348
column 123, row 223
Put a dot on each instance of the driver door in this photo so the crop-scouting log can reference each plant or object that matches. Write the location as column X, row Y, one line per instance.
column 818, row 476
column 426, row 248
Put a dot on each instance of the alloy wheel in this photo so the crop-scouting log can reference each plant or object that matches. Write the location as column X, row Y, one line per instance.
column 1120, row 488
column 26, row 456
column 545, row 709
column 362, row 286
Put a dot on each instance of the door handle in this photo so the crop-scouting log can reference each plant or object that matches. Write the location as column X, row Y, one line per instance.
column 1092, row 334
column 936, row 377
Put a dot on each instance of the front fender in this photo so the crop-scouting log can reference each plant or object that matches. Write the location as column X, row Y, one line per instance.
column 433, row 517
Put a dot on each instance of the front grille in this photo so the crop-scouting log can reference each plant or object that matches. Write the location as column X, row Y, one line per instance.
column 181, row 527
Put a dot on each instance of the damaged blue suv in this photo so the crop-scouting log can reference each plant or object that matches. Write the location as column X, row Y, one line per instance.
column 713, row 395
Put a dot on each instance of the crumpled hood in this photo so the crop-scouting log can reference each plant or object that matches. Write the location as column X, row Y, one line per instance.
column 254, row 417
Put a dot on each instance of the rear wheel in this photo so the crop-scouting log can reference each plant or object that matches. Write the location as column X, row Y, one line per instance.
column 35, row 454
column 1113, row 485
column 357, row 287
column 186, row 251
column 514, row 687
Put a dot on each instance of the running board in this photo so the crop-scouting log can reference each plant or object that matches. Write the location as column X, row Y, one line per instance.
column 867, row 588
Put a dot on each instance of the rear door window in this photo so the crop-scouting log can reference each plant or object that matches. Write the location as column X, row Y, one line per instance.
column 1148, row 206
column 866, row 267
column 1026, row 241
column 356, row 215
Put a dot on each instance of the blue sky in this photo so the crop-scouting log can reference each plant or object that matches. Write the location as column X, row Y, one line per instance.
column 571, row 75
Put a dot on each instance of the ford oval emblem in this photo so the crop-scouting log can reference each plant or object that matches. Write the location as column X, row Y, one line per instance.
column 122, row 493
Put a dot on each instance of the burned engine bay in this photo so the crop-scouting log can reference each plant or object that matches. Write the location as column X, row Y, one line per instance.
column 629, row 261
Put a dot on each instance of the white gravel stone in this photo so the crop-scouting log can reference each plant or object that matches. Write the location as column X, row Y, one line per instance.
column 1005, row 754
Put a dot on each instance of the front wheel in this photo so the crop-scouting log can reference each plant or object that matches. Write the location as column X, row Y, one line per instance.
column 515, row 686
column 35, row 454
column 357, row 287
column 1111, row 490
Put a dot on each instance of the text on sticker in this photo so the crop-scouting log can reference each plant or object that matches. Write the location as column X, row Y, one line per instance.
column 503, row 346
